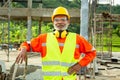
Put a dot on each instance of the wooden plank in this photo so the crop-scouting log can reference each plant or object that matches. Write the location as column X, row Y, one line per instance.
column 37, row 13
column 40, row 12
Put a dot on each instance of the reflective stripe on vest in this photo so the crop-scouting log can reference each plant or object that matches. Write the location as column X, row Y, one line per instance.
column 60, row 44
column 55, row 64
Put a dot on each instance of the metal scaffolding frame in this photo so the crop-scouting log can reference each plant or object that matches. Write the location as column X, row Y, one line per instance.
column 98, row 30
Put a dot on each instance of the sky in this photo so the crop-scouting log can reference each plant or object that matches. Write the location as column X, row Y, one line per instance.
column 117, row 2
column 114, row 2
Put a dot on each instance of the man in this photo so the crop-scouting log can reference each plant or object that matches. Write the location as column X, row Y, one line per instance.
column 60, row 50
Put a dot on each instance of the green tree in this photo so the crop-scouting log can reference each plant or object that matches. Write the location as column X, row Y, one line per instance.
column 118, row 30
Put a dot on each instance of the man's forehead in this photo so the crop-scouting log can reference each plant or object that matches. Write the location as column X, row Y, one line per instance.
column 60, row 16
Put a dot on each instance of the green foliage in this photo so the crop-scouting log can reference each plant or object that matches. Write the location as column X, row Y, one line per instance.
column 74, row 28
column 118, row 30
column 102, row 8
column 115, row 39
column 3, row 29
column 18, row 5
column 46, row 28
column 107, row 8
column 50, row 25
column 17, row 34
column 115, row 42
column 65, row 3
column 116, row 9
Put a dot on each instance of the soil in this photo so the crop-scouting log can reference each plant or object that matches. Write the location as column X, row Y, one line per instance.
column 34, row 67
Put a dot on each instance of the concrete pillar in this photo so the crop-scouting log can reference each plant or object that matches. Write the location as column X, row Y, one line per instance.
column 84, row 19
column 29, row 21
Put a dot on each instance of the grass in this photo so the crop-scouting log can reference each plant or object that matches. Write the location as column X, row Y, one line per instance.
column 115, row 43
column 106, row 41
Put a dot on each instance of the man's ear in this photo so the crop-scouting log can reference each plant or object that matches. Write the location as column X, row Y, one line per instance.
column 68, row 22
column 53, row 22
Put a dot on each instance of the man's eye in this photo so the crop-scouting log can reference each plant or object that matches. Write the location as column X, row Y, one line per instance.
column 56, row 20
column 62, row 19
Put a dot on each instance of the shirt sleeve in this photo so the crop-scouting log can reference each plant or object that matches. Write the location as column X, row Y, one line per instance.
column 87, row 49
column 25, row 45
column 34, row 45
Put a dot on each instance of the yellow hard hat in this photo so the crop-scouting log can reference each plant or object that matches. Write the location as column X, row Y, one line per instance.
column 60, row 11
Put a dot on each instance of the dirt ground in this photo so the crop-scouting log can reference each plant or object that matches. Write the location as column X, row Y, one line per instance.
column 34, row 59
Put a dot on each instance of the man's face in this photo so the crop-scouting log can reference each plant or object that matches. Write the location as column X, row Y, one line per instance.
column 60, row 22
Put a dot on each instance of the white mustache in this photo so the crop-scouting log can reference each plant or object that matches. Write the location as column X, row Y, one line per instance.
column 61, row 27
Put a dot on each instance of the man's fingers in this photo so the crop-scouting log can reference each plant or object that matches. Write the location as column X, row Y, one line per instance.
column 17, row 59
column 21, row 56
column 71, row 71
column 20, row 59
column 74, row 69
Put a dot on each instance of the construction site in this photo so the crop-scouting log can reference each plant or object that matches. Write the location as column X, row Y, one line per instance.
column 106, row 65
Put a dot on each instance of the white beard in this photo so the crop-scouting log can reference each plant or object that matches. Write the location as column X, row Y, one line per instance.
column 64, row 28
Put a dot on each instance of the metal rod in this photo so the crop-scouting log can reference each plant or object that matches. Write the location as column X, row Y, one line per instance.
column 9, row 10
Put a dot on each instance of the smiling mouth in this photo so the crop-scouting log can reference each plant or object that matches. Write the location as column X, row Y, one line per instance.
column 60, row 26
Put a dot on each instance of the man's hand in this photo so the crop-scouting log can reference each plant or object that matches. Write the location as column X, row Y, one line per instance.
column 74, row 69
column 21, row 56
